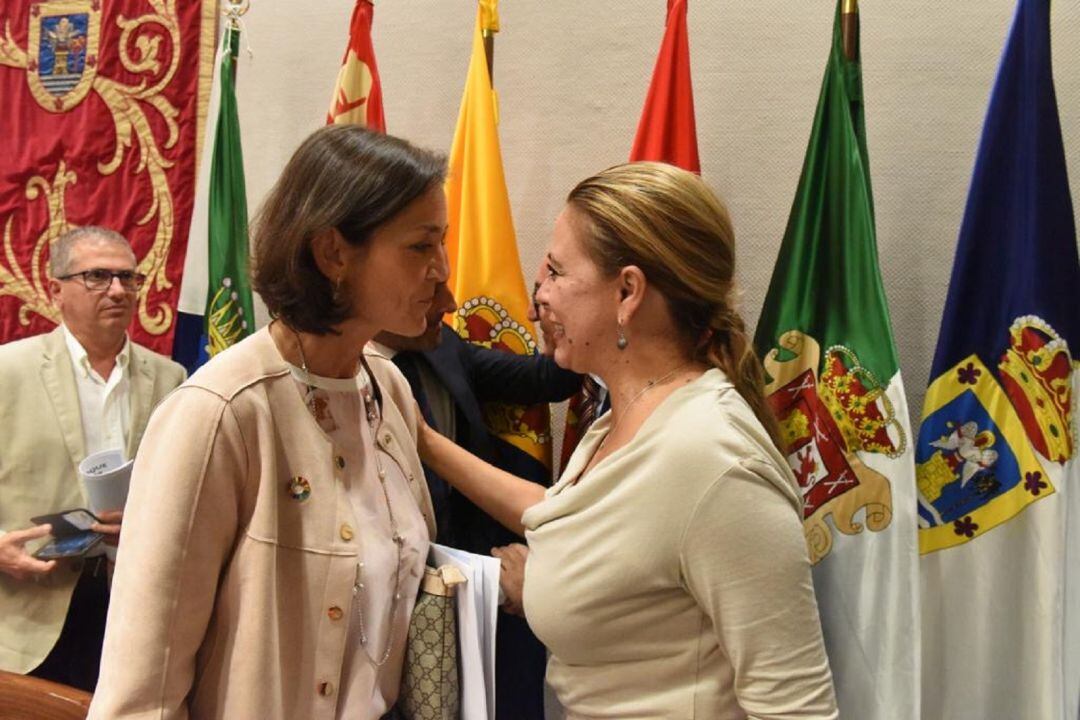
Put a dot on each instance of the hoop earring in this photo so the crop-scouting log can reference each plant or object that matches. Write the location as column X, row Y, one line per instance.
column 337, row 290
column 621, row 342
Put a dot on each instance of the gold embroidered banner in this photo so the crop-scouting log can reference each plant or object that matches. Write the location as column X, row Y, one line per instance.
column 104, row 105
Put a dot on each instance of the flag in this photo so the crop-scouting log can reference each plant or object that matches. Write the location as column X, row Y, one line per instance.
column 667, row 132
column 485, row 271
column 834, row 384
column 999, row 502
column 103, row 107
column 357, row 96
column 215, row 299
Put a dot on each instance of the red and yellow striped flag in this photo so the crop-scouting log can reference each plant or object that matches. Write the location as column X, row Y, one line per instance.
column 357, row 97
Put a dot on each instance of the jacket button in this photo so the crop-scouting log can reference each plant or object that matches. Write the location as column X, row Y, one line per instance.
column 334, row 613
column 346, row 531
column 326, row 689
column 340, row 462
column 387, row 438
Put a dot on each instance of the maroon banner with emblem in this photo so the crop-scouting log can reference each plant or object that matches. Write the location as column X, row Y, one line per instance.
column 103, row 105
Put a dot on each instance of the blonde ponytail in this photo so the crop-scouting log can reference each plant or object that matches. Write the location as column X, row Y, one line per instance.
column 727, row 346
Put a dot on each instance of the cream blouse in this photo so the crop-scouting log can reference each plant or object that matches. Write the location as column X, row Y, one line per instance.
column 371, row 671
column 673, row 580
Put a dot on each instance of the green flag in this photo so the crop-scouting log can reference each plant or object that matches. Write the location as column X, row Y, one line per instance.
column 834, row 384
column 229, row 313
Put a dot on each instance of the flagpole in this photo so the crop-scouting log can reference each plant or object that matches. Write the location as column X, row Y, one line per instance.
column 849, row 28
column 489, row 25
column 489, row 52
column 233, row 10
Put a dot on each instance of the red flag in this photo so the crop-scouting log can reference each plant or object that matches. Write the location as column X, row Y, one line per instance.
column 357, row 97
column 666, row 133
column 97, row 134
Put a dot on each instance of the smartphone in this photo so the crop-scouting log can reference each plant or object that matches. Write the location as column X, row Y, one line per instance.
column 69, row 546
column 72, row 536
column 67, row 522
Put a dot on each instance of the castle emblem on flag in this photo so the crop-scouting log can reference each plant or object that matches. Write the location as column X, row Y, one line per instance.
column 825, row 421
column 63, row 52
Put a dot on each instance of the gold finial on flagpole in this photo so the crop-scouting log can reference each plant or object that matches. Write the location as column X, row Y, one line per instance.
column 849, row 28
column 489, row 25
column 234, row 9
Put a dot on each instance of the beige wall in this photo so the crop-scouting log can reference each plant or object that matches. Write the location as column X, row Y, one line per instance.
column 572, row 75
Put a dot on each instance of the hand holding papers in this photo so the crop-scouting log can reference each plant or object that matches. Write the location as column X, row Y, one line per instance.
column 106, row 476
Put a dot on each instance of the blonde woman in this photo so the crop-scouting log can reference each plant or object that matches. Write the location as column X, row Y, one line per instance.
column 667, row 574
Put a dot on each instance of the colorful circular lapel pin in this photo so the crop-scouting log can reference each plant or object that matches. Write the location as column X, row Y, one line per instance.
column 298, row 488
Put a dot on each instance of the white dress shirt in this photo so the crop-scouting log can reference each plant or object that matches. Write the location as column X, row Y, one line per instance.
column 602, row 402
column 440, row 403
column 104, row 404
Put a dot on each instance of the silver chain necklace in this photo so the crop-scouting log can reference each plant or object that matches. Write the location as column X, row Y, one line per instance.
column 371, row 411
column 649, row 385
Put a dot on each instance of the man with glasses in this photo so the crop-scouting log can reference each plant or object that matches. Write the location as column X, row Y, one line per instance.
column 80, row 389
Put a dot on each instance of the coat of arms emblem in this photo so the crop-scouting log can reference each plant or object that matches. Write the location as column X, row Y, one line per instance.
column 833, row 414
column 63, row 52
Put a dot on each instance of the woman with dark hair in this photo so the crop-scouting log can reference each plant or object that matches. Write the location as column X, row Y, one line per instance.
column 667, row 570
column 278, row 521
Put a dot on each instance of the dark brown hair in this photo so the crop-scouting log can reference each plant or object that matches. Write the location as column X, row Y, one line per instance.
column 344, row 177
column 670, row 224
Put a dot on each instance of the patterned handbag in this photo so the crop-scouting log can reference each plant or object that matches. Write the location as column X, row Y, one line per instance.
column 430, row 684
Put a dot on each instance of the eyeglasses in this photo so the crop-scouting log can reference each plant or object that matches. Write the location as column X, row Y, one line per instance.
column 99, row 279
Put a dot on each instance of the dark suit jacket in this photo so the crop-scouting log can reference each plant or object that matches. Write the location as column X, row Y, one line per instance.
column 472, row 375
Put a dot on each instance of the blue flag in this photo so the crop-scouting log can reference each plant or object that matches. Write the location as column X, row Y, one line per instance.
column 995, row 457
column 1013, row 311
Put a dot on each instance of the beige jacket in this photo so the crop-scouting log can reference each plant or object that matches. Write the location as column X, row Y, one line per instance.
column 231, row 579
column 39, row 456
column 673, row 580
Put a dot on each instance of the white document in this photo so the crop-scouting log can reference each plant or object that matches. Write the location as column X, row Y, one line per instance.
column 477, row 613
column 106, row 476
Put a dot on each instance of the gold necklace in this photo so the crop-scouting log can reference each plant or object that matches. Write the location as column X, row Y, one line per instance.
column 372, row 413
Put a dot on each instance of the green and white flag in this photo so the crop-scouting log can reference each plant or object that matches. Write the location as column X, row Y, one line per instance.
column 834, row 384
column 216, row 284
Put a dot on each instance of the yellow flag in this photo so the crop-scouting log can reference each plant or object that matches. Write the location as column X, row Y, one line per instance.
column 485, row 270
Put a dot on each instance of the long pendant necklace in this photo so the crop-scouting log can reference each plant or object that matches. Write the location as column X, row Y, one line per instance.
column 371, row 412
